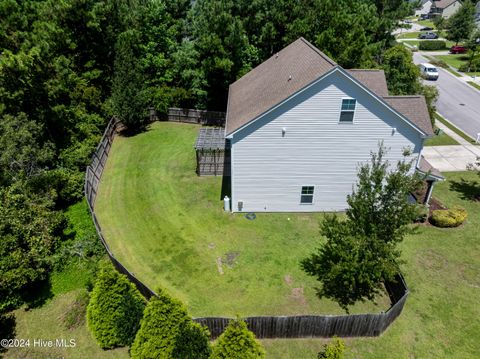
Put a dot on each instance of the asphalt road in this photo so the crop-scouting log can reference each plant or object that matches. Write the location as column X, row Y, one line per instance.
column 458, row 102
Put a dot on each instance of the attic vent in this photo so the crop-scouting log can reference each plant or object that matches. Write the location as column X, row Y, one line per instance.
column 276, row 55
column 289, row 77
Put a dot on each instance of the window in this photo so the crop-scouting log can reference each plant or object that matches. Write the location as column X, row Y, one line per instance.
column 348, row 109
column 307, row 195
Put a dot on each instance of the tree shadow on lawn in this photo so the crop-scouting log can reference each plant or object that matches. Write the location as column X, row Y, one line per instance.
column 468, row 189
column 7, row 328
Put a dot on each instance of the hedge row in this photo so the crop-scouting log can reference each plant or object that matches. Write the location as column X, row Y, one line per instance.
column 432, row 45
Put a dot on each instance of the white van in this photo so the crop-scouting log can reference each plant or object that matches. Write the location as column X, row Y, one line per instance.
column 428, row 71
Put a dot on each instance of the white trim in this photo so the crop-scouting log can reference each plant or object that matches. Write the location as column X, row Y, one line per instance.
column 313, row 195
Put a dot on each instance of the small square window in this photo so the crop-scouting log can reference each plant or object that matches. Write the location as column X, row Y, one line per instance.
column 307, row 195
column 348, row 109
column 348, row 104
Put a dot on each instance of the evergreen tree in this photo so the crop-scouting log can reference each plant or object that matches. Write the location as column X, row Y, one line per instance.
column 128, row 95
column 114, row 310
column 237, row 342
column 166, row 331
column 361, row 252
column 461, row 24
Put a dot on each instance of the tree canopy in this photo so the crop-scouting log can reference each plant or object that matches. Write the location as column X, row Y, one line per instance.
column 361, row 252
column 462, row 23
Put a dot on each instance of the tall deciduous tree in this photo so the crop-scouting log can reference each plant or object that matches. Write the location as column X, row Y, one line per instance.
column 461, row 24
column 401, row 73
column 361, row 252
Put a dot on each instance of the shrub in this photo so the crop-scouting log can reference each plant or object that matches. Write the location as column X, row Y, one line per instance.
column 192, row 342
column 422, row 213
column 432, row 45
column 162, row 321
column 333, row 350
column 475, row 66
column 439, row 63
column 448, row 217
column 115, row 309
column 237, row 342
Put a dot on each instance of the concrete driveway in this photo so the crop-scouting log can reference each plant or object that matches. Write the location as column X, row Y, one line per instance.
column 451, row 158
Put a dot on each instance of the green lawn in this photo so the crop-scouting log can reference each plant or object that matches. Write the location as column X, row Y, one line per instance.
column 425, row 23
column 443, row 272
column 440, row 140
column 456, row 61
column 155, row 230
column 49, row 322
column 409, row 35
column 474, row 84
column 454, row 128
column 167, row 225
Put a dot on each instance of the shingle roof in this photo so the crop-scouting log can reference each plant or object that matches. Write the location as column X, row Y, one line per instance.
column 293, row 68
column 414, row 108
column 442, row 4
column 273, row 81
column 425, row 167
column 374, row 80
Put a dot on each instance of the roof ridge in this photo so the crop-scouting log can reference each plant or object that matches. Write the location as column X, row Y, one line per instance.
column 314, row 48
column 379, row 70
column 403, row 96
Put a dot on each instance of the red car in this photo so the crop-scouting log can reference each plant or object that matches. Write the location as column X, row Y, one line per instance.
column 458, row 49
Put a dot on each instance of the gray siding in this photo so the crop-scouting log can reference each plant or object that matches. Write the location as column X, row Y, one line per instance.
column 268, row 170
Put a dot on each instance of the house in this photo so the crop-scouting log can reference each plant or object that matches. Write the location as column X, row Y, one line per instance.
column 424, row 9
column 445, row 8
column 298, row 125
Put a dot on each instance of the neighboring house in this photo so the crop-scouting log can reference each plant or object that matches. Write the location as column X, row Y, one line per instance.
column 299, row 125
column 424, row 9
column 445, row 8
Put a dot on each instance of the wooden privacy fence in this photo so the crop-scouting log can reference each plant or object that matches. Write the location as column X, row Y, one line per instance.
column 203, row 117
column 304, row 326
column 297, row 326
column 92, row 179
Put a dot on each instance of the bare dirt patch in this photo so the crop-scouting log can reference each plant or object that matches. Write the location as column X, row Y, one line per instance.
column 288, row 279
column 298, row 296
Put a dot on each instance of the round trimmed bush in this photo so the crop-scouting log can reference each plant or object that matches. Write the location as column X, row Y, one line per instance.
column 237, row 342
column 448, row 217
column 114, row 310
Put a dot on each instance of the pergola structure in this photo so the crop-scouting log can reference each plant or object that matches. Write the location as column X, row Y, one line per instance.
column 213, row 152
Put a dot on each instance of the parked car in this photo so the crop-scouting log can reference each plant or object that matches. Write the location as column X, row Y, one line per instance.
column 428, row 35
column 426, row 28
column 408, row 21
column 424, row 17
column 428, row 71
column 458, row 49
